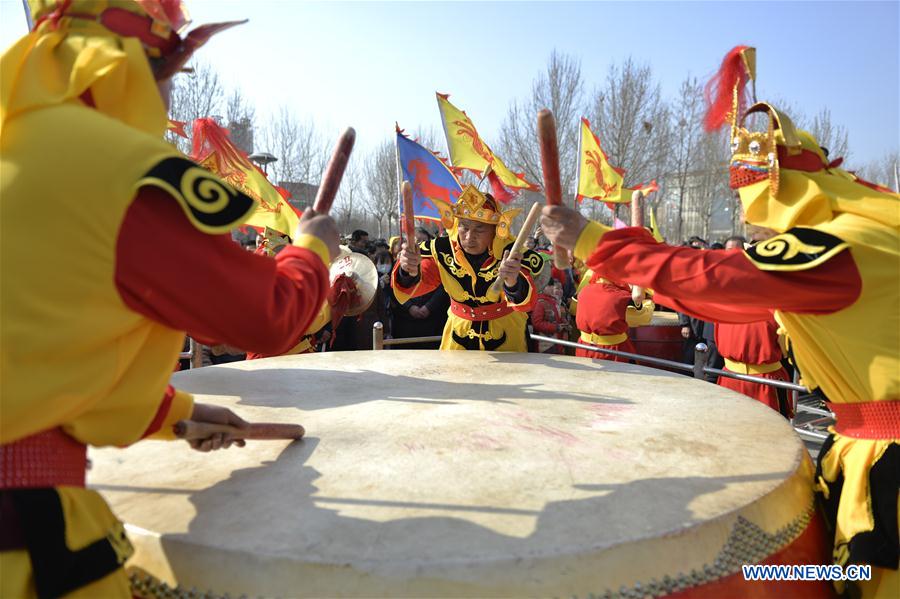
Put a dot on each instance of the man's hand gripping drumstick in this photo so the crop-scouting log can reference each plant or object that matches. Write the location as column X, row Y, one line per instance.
column 511, row 264
column 214, row 427
column 546, row 128
column 409, row 252
column 637, row 220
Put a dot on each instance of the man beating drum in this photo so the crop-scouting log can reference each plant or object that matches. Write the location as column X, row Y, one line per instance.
column 832, row 266
column 141, row 254
column 477, row 251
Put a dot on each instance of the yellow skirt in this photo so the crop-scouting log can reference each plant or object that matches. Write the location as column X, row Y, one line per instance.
column 506, row 333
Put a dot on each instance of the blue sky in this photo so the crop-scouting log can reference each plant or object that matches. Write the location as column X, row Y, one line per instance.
column 371, row 63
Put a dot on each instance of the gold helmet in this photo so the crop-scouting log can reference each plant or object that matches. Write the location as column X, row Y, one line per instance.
column 481, row 207
column 781, row 174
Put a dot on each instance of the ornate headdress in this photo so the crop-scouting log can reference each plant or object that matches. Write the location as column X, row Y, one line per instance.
column 781, row 174
column 157, row 24
column 480, row 207
column 97, row 51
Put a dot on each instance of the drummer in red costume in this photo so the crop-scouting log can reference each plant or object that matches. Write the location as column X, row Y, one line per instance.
column 605, row 312
column 752, row 348
column 140, row 253
column 831, row 277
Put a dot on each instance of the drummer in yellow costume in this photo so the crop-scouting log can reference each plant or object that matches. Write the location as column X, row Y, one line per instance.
column 92, row 322
column 466, row 263
column 832, row 277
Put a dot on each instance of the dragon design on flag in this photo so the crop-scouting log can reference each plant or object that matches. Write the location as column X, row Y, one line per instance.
column 425, row 188
column 593, row 161
column 467, row 129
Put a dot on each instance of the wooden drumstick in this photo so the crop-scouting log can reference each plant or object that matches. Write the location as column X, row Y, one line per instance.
column 524, row 232
column 191, row 430
column 546, row 126
column 409, row 222
column 637, row 220
column 334, row 172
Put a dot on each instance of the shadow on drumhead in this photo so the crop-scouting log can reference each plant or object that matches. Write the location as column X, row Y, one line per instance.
column 314, row 389
column 581, row 364
column 274, row 516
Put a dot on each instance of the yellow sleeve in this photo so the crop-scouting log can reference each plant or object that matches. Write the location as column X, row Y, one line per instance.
column 640, row 317
column 316, row 245
column 181, row 409
column 589, row 238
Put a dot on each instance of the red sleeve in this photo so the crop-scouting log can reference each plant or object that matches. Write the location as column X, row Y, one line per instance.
column 539, row 321
column 722, row 285
column 429, row 280
column 208, row 286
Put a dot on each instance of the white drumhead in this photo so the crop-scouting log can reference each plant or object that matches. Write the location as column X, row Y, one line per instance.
column 454, row 473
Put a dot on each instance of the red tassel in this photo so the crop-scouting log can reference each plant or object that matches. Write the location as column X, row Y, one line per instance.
column 498, row 190
column 719, row 90
column 341, row 296
column 208, row 137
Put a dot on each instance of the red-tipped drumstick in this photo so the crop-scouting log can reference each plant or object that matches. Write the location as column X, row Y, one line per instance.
column 409, row 222
column 637, row 220
column 334, row 172
column 550, row 164
column 191, row 430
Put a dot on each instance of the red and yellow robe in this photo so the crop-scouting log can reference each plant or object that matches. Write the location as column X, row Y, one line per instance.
column 478, row 319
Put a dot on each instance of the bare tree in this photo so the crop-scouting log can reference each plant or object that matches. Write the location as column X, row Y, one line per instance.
column 884, row 171
column 348, row 209
column 830, row 135
column 560, row 88
column 685, row 147
column 381, row 184
column 632, row 121
column 300, row 149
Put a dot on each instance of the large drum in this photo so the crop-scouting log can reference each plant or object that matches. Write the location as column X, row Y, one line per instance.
column 471, row 474
column 660, row 339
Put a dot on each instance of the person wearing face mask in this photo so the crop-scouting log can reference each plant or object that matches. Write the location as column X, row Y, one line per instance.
column 465, row 264
column 141, row 254
column 830, row 275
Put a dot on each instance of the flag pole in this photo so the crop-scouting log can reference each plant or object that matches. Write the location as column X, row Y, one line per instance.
column 399, row 175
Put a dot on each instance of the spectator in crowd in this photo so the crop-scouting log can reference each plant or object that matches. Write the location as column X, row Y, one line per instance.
column 394, row 244
column 549, row 317
column 717, row 246
column 359, row 239
column 698, row 243
column 423, row 235
column 735, row 242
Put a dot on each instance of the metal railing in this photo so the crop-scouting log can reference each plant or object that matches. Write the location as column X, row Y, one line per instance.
column 192, row 354
column 807, row 429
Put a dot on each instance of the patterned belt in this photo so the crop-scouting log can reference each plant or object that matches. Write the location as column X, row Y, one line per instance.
column 47, row 459
column 594, row 339
column 867, row 420
column 742, row 368
column 488, row 312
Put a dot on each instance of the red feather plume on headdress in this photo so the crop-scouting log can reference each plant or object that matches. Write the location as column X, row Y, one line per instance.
column 719, row 90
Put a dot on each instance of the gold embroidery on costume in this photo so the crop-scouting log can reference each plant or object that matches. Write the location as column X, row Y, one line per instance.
column 211, row 205
column 798, row 249
column 452, row 266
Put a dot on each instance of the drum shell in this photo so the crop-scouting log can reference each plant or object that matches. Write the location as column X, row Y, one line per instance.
column 660, row 339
